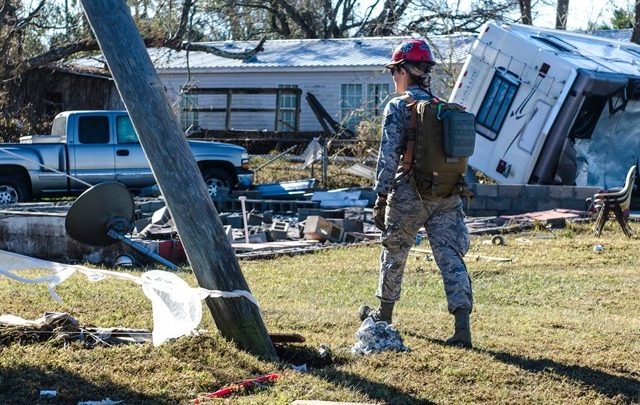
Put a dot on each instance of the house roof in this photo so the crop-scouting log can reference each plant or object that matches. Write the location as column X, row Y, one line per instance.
column 307, row 53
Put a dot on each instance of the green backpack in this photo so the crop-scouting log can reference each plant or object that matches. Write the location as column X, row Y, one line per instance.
column 441, row 137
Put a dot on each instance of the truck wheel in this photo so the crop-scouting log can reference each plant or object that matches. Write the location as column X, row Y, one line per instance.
column 216, row 180
column 12, row 190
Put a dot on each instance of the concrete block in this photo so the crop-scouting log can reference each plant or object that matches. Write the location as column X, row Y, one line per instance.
column 303, row 213
column 267, row 216
column 353, row 237
column 574, row 204
column 254, row 219
column 523, row 205
column 279, row 230
column 561, row 192
column 318, row 228
column 536, row 192
column 348, row 225
column 486, row 190
column 477, row 203
column 497, row 203
column 582, row 193
column 510, row 190
column 235, row 220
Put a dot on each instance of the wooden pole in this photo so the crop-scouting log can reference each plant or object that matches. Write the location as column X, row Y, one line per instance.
column 210, row 254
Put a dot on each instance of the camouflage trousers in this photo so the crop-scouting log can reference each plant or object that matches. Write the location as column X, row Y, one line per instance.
column 443, row 219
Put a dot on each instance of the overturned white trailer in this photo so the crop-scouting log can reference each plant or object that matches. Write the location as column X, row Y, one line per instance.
column 552, row 107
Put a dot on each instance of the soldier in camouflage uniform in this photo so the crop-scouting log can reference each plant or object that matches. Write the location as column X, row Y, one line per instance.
column 406, row 211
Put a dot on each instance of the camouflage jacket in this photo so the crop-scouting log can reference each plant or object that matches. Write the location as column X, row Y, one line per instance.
column 394, row 139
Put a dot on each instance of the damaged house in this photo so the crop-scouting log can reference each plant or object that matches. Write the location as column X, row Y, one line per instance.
column 346, row 76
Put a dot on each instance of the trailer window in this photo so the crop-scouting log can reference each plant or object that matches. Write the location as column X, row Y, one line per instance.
column 496, row 104
column 588, row 117
column 93, row 130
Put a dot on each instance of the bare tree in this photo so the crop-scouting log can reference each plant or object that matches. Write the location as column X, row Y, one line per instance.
column 562, row 9
column 525, row 12
column 635, row 36
column 310, row 18
column 438, row 17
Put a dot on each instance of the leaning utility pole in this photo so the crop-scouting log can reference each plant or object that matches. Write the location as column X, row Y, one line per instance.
column 208, row 250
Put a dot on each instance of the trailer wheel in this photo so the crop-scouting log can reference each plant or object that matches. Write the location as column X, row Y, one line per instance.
column 13, row 189
column 216, row 180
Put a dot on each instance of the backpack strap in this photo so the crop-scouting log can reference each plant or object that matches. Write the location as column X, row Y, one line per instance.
column 407, row 157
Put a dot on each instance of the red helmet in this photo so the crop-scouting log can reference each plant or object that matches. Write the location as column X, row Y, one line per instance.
column 415, row 50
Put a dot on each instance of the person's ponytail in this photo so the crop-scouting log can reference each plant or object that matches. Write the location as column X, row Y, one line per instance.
column 420, row 73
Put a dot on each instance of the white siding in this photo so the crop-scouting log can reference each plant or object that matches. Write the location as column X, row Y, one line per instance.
column 324, row 85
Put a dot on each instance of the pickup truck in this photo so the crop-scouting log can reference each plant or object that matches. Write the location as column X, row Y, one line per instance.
column 99, row 146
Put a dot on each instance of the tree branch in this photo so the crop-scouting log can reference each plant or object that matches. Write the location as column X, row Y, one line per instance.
column 184, row 21
column 219, row 52
column 297, row 18
column 25, row 21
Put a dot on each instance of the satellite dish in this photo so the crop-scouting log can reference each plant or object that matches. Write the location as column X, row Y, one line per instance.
column 102, row 215
column 103, row 207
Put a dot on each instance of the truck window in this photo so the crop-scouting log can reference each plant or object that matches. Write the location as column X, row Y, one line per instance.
column 59, row 126
column 496, row 104
column 93, row 129
column 125, row 131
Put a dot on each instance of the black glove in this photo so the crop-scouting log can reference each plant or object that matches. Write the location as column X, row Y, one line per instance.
column 378, row 213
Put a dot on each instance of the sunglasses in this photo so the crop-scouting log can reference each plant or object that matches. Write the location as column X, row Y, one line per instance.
column 392, row 71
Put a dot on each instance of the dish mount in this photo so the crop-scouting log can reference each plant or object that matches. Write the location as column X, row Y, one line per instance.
column 103, row 215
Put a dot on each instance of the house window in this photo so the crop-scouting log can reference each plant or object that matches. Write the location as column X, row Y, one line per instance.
column 496, row 104
column 125, row 131
column 377, row 94
column 350, row 104
column 93, row 130
column 287, row 117
column 188, row 118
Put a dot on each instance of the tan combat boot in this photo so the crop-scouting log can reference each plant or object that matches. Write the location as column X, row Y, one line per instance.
column 462, row 335
column 382, row 313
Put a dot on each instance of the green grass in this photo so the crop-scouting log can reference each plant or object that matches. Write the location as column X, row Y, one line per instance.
column 558, row 324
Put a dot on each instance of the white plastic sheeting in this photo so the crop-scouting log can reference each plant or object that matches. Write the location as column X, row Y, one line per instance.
column 376, row 337
column 604, row 160
column 177, row 307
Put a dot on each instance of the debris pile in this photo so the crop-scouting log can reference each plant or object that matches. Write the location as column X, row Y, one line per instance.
column 376, row 337
column 62, row 328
